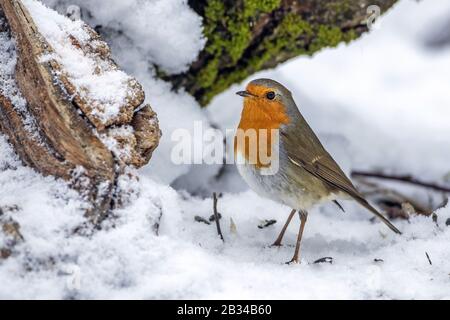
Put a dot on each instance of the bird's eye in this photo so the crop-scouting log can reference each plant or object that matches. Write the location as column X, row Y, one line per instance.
column 270, row 95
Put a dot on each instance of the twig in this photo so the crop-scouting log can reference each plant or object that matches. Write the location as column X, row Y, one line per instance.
column 266, row 223
column 324, row 260
column 428, row 257
column 216, row 215
column 157, row 223
column 394, row 195
column 402, row 178
column 201, row 219
column 213, row 217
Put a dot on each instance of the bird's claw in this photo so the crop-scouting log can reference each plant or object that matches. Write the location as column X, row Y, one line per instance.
column 293, row 261
column 276, row 244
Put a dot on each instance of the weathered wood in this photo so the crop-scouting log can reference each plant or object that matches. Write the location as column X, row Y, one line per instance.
column 66, row 131
column 33, row 152
column 147, row 133
column 10, row 230
column 67, row 141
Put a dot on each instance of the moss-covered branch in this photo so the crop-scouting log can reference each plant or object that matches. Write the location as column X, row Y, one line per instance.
column 246, row 36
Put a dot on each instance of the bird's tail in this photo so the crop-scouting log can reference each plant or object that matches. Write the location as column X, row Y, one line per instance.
column 367, row 205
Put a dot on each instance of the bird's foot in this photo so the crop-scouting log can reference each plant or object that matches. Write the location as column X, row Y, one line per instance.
column 294, row 260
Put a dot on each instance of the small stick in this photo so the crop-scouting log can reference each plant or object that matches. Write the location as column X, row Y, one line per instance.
column 389, row 193
column 324, row 260
column 157, row 224
column 201, row 219
column 402, row 178
column 428, row 257
column 266, row 223
column 216, row 215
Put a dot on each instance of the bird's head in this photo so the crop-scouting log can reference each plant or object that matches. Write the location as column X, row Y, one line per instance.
column 266, row 104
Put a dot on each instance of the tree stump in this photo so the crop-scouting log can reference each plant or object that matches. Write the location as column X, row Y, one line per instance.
column 53, row 123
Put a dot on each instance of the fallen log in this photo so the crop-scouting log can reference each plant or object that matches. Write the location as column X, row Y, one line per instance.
column 59, row 118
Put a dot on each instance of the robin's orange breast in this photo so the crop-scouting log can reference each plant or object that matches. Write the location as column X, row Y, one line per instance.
column 260, row 119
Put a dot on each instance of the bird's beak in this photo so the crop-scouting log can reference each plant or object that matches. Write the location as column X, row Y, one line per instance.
column 244, row 94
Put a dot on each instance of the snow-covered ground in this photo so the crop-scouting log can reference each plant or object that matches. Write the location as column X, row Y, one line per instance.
column 381, row 102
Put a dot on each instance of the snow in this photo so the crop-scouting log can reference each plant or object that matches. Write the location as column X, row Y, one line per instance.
column 166, row 32
column 380, row 102
column 104, row 87
column 8, row 62
column 187, row 260
column 120, row 150
column 8, row 85
column 142, row 35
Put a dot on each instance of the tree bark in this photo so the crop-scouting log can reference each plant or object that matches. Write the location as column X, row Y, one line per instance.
column 246, row 36
column 65, row 138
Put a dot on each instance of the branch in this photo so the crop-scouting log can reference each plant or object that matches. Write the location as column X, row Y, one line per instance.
column 401, row 178
column 216, row 217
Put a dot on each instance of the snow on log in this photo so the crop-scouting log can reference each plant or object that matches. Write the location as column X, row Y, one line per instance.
column 66, row 107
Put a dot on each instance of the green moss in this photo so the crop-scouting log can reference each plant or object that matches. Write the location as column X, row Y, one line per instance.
column 229, row 33
column 284, row 36
column 350, row 36
column 223, row 82
column 228, row 38
column 231, row 36
column 290, row 29
column 208, row 74
column 294, row 25
column 214, row 14
column 241, row 35
column 214, row 11
column 253, row 7
column 341, row 9
column 239, row 29
column 326, row 36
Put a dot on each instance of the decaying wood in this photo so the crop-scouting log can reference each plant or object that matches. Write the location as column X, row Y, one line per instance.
column 10, row 230
column 35, row 152
column 68, row 133
column 147, row 133
column 68, row 139
column 99, row 51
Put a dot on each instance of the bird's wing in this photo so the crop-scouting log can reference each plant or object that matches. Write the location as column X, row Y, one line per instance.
column 307, row 152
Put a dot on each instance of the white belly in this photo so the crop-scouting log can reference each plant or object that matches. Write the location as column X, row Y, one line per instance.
column 277, row 187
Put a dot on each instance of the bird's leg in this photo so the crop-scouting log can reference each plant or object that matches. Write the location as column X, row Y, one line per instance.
column 277, row 242
column 303, row 217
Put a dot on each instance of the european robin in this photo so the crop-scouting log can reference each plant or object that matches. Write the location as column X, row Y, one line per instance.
column 305, row 174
